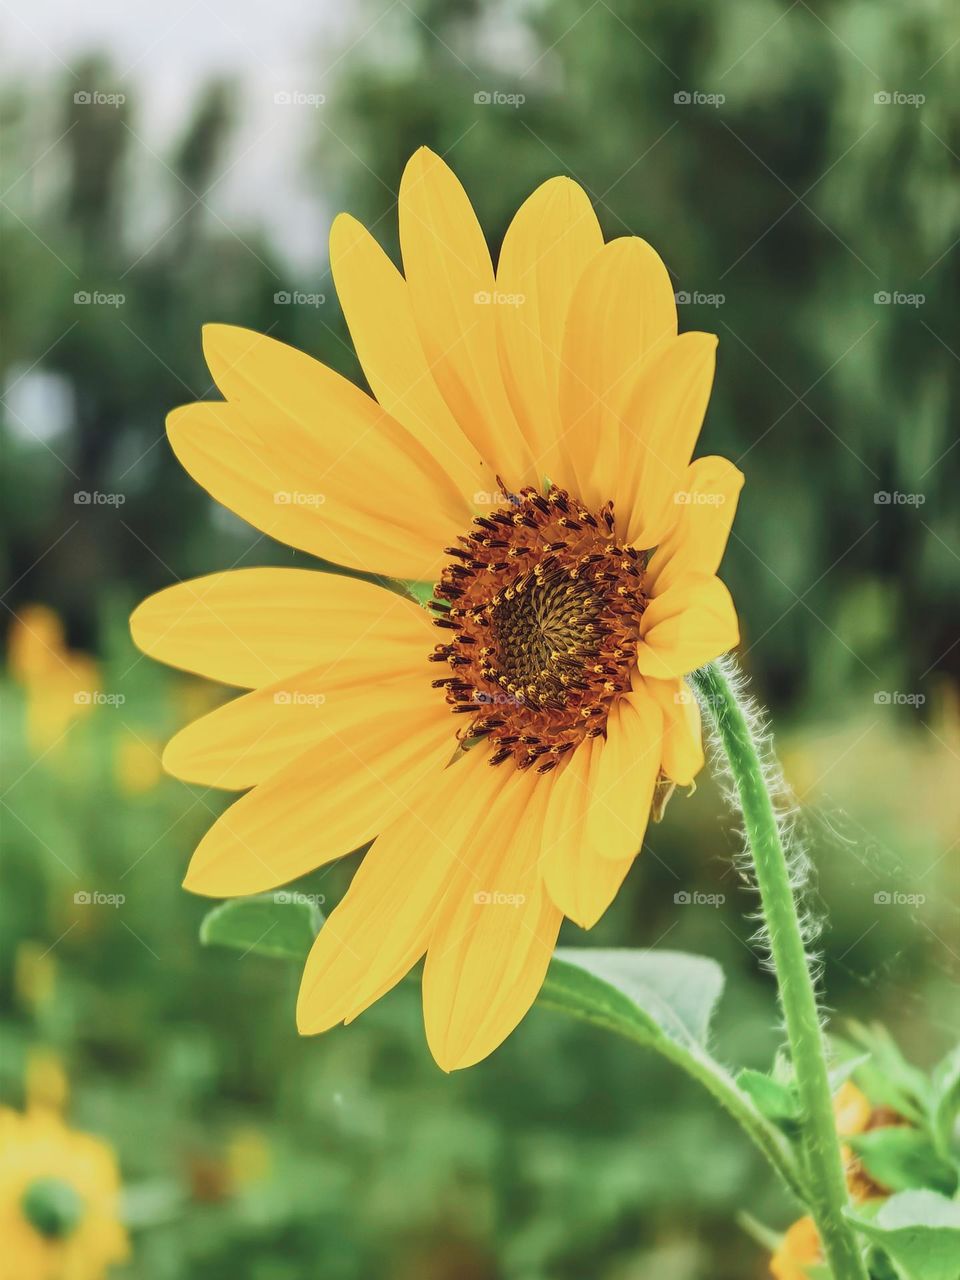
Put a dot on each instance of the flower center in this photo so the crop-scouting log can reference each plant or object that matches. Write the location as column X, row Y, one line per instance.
column 52, row 1207
column 544, row 605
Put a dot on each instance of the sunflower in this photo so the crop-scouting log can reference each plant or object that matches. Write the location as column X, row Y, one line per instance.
column 58, row 1200
column 527, row 449
column 800, row 1249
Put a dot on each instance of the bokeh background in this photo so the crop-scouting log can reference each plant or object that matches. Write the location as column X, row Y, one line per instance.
column 797, row 166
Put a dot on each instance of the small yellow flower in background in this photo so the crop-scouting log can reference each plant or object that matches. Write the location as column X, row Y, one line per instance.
column 528, row 451
column 800, row 1248
column 799, row 1251
column 59, row 1195
column 60, row 684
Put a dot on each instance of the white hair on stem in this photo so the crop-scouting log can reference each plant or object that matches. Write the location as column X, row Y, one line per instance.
column 791, row 827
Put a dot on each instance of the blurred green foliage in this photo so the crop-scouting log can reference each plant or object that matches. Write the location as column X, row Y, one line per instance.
column 798, row 199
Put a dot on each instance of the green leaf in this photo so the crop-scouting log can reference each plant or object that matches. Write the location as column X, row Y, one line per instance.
column 888, row 1079
column 946, row 1099
column 663, row 1000
column 920, row 1231
column 778, row 1102
column 282, row 924
column 902, row 1159
column 841, row 1072
column 648, row 996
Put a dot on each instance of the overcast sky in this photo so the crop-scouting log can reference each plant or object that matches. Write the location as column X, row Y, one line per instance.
column 165, row 51
column 176, row 43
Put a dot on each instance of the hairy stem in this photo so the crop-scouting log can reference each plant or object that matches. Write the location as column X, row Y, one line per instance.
column 828, row 1191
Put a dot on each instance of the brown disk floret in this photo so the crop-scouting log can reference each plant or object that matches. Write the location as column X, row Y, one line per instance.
column 543, row 606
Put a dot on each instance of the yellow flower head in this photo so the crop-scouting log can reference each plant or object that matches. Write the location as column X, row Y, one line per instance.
column 528, row 450
column 58, row 1201
column 800, row 1247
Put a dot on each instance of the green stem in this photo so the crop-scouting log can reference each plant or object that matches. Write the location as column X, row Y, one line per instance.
column 828, row 1191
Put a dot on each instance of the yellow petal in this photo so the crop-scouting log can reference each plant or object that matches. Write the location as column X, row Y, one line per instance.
column 329, row 801
column 552, row 237
column 489, row 954
column 580, row 880
column 799, row 1250
column 621, row 311
column 698, row 538
column 627, row 773
column 450, row 277
column 297, row 402
column 376, row 304
column 272, row 490
column 662, row 419
column 251, row 627
column 852, row 1110
column 248, row 740
column 305, row 456
column 382, row 925
column 682, row 730
column 691, row 623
